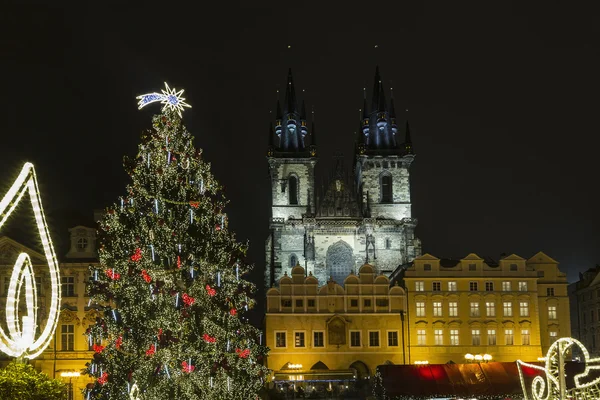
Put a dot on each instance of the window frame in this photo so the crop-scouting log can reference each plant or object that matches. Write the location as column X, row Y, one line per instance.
column 454, row 336
column 438, row 334
column 475, row 336
column 313, row 339
column 296, row 191
column 303, row 333
column 438, row 309
column 420, row 311
column 65, row 285
column 350, row 332
column 378, row 338
column 473, row 286
column 455, row 308
column 509, row 333
column 397, row 338
column 67, row 337
column 284, row 339
column 491, row 335
column 421, row 337
column 452, row 286
column 419, row 286
column 386, row 187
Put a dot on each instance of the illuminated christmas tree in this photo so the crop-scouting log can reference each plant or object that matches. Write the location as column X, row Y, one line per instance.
column 172, row 294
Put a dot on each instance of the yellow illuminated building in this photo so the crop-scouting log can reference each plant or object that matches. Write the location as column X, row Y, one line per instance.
column 509, row 310
column 69, row 350
column 328, row 336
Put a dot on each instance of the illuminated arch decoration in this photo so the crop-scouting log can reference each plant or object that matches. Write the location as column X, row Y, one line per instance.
column 134, row 394
column 170, row 98
column 553, row 386
column 20, row 340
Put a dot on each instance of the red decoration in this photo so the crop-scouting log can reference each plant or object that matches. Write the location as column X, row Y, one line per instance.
column 103, row 379
column 208, row 339
column 243, row 353
column 137, row 256
column 195, row 204
column 112, row 274
column 211, row 291
column 187, row 367
column 159, row 333
column 188, row 300
column 178, row 262
column 98, row 348
column 151, row 350
column 119, row 342
column 217, row 227
column 233, row 311
column 146, row 276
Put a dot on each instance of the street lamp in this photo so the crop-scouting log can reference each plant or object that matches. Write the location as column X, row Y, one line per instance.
column 70, row 375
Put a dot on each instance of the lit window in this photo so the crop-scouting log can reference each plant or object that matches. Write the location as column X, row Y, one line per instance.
column 374, row 339
column 491, row 337
column 393, row 338
column 507, row 309
column 437, row 308
column 67, row 337
column 551, row 312
column 354, row 338
column 509, row 337
column 438, row 336
column 318, row 339
column 68, row 286
column 437, row 286
column 299, row 339
column 452, row 286
column 522, row 286
column 475, row 337
column 421, row 337
column 525, row 339
column 524, row 309
column 82, row 243
column 506, row 287
column 420, row 309
column 553, row 336
column 453, row 309
column 475, row 309
column 489, row 286
column 490, row 309
column 454, row 337
column 280, row 339
column 473, row 286
column 550, row 291
column 419, row 286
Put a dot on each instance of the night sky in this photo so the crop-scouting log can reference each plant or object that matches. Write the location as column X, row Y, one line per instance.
column 502, row 100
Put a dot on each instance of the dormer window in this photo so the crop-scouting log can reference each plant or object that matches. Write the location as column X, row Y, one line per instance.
column 82, row 244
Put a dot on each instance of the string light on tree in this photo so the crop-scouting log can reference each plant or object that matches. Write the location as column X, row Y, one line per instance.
column 20, row 340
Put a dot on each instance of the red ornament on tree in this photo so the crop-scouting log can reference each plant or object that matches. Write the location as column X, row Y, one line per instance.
column 233, row 311
column 211, row 292
column 188, row 300
column 103, row 379
column 146, row 276
column 119, row 342
column 137, row 256
column 243, row 353
column 178, row 262
column 98, row 348
column 209, row 339
column 195, row 204
column 217, row 227
column 112, row 274
column 151, row 350
column 187, row 367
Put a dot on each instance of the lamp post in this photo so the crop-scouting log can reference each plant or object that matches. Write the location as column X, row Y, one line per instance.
column 70, row 375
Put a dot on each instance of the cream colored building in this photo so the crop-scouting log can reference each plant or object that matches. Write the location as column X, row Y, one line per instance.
column 510, row 310
column 331, row 333
column 585, row 298
column 69, row 351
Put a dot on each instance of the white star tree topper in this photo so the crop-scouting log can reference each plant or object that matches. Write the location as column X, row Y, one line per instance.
column 170, row 98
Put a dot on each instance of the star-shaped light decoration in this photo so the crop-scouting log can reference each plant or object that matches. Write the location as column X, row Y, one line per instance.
column 170, row 98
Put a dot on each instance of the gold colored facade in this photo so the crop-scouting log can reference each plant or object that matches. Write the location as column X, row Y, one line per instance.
column 69, row 350
column 330, row 333
column 509, row 311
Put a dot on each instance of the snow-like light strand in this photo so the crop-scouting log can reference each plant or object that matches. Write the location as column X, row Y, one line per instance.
column 20, row 340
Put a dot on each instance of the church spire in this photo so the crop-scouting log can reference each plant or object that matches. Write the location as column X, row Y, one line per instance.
column 290, row 105
column 407, row 141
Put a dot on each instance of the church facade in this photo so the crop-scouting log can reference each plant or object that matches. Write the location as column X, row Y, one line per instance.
column 365, row 219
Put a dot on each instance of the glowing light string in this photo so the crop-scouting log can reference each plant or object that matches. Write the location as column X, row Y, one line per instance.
column 553, row 386
column 170, row 98
column 20, row 340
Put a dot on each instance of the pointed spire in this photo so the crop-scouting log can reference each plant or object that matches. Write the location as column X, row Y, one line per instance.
column 392, row 108
column 303, row 112
column 376, row 86
column 290, row 105
column 365, row 111
column 312, row 129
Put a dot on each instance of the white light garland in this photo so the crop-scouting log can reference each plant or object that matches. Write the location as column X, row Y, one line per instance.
column 134, row 394
column 20, row 341
column 170, row 98
column 552, row 387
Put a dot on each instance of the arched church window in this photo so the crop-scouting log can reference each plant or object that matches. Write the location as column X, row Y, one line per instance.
column 293, row 260
column 386, row 189
column 293, row 193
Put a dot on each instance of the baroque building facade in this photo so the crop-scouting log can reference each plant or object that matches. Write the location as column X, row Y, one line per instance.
column 510, row 310
column 351, row 221
column 69, row 349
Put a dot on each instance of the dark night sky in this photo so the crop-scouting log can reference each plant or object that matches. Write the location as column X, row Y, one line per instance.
column 503, row 103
